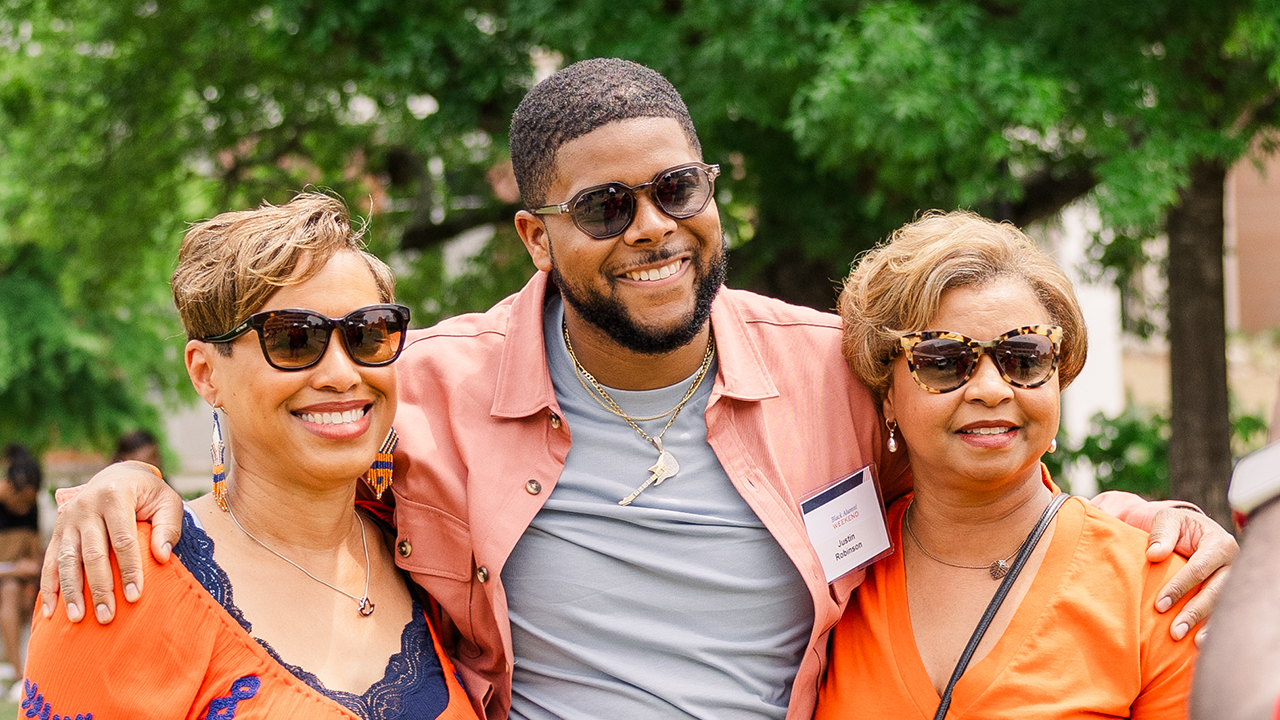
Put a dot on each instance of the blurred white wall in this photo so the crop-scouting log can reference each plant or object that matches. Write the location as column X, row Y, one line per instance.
column 1100, row 387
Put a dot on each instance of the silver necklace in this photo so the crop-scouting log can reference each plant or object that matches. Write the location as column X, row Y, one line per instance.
column 365, row 606
column 666, row 467
column 997, row 568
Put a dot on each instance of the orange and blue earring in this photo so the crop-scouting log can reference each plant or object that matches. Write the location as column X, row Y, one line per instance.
column 379, row 476
column 218, row 450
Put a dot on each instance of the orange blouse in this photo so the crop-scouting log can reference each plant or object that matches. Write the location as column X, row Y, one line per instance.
column 176, row 653
column 1086, row 642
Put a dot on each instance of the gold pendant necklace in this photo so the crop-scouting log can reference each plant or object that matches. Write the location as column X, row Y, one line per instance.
column 666, row 466
column 997, row 569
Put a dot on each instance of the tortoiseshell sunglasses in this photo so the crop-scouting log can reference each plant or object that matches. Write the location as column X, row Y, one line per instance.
column 942, row 361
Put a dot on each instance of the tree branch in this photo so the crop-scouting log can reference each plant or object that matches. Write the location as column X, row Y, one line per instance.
column 1045, row 193
column 422, row 237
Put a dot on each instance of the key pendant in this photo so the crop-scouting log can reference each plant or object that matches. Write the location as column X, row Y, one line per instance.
column 666, row 467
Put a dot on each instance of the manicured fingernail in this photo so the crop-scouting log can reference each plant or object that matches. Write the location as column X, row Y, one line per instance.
column 103, row 613
column 74, row 614
column 131, row 592
column 46, row 610
column 1163, row 604
column 1180, row 630
column 1155, row 547
column 165, row 549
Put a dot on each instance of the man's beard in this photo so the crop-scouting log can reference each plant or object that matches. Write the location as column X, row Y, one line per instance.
column 611, row 316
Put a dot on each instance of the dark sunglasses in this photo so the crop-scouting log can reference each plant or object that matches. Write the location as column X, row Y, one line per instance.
column 942, row 361
column 603, row 211
column 297, row 339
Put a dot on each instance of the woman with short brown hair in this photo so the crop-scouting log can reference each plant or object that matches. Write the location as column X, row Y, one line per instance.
column 285, row 600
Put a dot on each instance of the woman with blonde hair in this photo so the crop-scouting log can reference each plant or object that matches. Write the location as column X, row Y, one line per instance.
column 1004, row 599
column 285, row 601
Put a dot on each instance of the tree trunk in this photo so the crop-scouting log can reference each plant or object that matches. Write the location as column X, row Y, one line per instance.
column 1200, row 446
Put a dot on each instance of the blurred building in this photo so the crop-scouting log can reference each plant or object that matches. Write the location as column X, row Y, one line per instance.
column 1253, row 246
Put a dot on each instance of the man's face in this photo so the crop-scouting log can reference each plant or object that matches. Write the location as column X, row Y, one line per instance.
column 604, row 281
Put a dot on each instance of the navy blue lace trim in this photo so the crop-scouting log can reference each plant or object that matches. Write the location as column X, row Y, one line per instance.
column 413, row 686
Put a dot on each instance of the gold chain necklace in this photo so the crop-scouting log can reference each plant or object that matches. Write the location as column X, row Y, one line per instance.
column 997, row 568
column 666, row 467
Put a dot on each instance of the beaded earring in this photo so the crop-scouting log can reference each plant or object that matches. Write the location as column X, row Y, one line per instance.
column 379, row 476
column 218, row 450
column 893, row 428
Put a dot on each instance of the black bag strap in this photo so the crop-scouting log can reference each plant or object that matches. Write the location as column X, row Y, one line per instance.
column 1028, row 546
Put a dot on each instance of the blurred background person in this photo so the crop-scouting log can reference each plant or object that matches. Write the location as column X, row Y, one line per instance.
column 138, row 445
column 20, row 547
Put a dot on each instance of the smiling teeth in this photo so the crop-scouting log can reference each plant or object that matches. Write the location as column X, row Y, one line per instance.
column 333, row 418
column 660, row 273
column 987, row 431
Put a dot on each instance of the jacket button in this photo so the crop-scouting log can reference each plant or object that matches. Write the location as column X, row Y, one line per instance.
column 482, row 574
column 404, row 548
column 533, row 487
column 555, row 421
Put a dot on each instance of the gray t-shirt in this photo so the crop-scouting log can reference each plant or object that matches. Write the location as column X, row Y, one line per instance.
column 679, row 605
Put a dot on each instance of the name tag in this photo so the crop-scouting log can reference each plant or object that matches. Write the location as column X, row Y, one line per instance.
column 845, row 521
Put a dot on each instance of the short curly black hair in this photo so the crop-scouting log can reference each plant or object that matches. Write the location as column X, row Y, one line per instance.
column 578, row 99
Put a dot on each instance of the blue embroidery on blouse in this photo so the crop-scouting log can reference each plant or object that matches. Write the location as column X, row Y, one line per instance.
column 224, row 708
column 37, row 707
column 413, row 686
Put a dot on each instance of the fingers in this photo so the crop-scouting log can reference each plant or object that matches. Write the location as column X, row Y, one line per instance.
column 1211, row 551
column 123, row 532
column 49, row 575
column 1166, row 527
column 96, row 555
column 1199, row 606
column 163, row 507
column 70, row 573
column 1208, row 557
column 1202, row 535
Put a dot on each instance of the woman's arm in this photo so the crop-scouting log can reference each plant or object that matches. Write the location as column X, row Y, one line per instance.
column 149, row 663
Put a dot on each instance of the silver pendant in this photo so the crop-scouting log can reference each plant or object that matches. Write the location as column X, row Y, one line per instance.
column 998, row 569
column 666, row 467
column 366, row 607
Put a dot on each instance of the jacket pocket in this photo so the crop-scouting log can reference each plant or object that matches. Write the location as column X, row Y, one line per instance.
column 438, row 543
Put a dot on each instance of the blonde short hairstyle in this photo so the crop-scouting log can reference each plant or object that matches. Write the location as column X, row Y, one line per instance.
column 229, row 266
column 896, row 288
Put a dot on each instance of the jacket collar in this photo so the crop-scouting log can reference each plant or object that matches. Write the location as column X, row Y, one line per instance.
column 524, row 380
column 743, row 374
